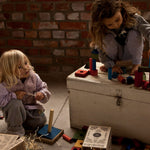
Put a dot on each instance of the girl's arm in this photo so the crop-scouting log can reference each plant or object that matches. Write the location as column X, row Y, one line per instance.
column 43, row 88
column 144, row 27
column 5, row 96
column 106, row 60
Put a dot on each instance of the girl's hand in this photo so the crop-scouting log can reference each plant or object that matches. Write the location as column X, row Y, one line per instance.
column 117, row 69
column 134, row 68
column 39, row 96
column 20, row 94
column 103, row 68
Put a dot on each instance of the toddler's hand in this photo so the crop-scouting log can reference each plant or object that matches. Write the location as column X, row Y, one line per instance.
column 39, row 96
column 20, row 94
column 117, row 69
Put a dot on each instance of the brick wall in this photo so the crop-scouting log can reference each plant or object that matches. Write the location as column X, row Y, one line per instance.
column 53, row 33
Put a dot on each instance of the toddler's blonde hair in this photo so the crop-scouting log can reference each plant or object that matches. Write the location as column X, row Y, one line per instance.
column 9, row 62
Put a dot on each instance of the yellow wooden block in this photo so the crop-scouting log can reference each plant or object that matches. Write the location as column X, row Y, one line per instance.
column 78, row 143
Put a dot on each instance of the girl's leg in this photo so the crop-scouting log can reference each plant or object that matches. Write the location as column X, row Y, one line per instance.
column 133, row 49
column 112, row 49
column 35, row 119
column 15, row 115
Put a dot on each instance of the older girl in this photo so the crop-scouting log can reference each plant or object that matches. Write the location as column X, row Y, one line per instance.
column 117, row 30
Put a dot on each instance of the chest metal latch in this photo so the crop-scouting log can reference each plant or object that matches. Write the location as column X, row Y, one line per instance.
column 118, row 97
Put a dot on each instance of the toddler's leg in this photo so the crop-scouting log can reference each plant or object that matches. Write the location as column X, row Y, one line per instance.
column 15, row 115
column 35, row 118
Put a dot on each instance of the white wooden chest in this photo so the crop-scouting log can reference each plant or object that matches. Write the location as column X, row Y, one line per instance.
column 99, row 101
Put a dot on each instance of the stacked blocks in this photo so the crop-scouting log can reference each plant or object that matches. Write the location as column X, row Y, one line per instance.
column 92, row 64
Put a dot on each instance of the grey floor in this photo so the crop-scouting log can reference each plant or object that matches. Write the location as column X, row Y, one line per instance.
column 59, row 101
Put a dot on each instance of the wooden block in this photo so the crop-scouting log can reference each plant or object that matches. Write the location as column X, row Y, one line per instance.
column 78, row 143
column 11, row 142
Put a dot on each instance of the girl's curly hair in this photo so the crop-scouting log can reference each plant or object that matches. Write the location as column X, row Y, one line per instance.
column 106, row 9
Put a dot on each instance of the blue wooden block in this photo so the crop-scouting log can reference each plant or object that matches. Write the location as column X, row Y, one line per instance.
column 44, row 132
column 109, row 73
column 93, row 64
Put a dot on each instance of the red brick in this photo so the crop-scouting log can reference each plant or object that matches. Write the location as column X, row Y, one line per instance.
column 38, row 52
column 73, row 16
column 19, row 0
column 21, row 7
column 43, row 43
column 33, row 52
column 18, row 25
column 45, row 34
column 85, row 52
column 85, row 16
column 47, row 6
column 45, row 25
column 40, row 60
column 88, row 7
column 73, row 25
column 8, row 7
column 31, row 34
column 7, row 15
column 19, row 34
column 2, row 25
column 71, row 43
column 77, row 7
column 85, row 34
column 67, row 60
column 72, row 52
column 62, row 7
column 2, row 42
column 47, row 0
column 77, row 0
column 54, row 68
column 4, row 33
column 58, row 52
column 45, row 52
column 34, row 7
column 30, row 16
column 19, row 42
column 72, row 34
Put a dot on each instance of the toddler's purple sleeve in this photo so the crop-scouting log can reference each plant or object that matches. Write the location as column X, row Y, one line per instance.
column 5, row 96
column 42, row 87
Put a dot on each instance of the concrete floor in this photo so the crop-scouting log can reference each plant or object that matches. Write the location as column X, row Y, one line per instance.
column 60, row 103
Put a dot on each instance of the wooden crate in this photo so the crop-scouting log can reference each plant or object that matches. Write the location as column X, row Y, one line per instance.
column 99, row 101
column 11, row 142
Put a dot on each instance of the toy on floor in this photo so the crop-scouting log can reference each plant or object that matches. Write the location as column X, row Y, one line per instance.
column 67, row 138
column 97, row 138
column 49, row 134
